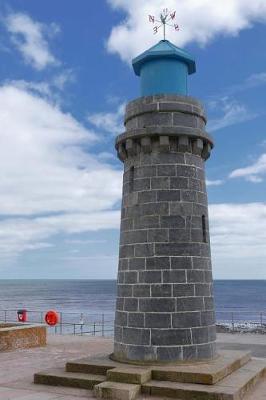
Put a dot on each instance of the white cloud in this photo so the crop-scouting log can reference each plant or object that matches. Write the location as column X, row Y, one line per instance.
column 238, row 230
column 256, row 80
column 63, row 78
column 30, row 38
column 107, row 156
column 49, row 184
column 50, row 89
column 253, row 81
column 253, row 173
column 85, row 241
column 216, row 182
column 21, row 234
column 200, row 21
column 238, row 238
column 110, row 122
column 38, row 88
column 96, row 257
column 233, row 113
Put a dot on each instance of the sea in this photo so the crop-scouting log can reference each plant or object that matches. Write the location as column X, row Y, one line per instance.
column 87, row 301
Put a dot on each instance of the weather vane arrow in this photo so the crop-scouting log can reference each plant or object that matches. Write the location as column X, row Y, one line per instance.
column 166, row 17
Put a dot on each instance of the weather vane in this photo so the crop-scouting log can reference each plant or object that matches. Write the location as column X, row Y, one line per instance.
column 166, row 16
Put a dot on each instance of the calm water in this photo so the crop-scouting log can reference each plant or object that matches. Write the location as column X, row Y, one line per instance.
column 98, row 296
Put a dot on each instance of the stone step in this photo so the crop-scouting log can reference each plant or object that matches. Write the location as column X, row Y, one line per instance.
column 116, row 391
column 204, row 373
column 98, row 366
column 246, row 377
column 207, row 373
column 233, row 387
column 59, row 377
column 128, row 374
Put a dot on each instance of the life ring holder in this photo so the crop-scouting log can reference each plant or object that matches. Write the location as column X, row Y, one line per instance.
column 51, row 318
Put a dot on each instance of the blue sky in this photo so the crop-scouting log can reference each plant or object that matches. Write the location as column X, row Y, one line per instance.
column 65, row 76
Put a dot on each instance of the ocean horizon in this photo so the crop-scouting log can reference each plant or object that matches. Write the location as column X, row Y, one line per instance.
column 97, row 296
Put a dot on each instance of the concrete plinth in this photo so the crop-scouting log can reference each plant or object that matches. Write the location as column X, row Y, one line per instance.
column 116, row 391
column 229, row 377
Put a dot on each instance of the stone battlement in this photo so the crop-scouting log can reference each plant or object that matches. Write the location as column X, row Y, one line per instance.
column 165, row 123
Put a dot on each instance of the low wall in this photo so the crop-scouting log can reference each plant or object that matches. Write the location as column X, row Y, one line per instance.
column 17, row 336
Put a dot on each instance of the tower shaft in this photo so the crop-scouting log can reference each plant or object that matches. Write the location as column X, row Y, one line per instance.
column 165, row 308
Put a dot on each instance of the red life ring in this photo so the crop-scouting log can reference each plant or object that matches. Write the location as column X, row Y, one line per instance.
column 51, row 318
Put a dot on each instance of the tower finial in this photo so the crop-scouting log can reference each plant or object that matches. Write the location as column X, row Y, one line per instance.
column 166, row 16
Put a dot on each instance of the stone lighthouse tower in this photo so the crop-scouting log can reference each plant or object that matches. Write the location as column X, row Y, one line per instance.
column 165, row 321
column 165, row 308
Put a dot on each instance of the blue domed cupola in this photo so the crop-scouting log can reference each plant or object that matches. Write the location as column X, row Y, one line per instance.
column 163, row 69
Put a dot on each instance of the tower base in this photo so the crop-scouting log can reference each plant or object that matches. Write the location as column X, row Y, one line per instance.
column 229, row 377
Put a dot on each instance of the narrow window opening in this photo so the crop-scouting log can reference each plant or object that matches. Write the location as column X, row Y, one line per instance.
column 204, row 233
column 131, row 179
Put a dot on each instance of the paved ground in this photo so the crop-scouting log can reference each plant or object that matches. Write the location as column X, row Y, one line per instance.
column 17, row 368
column 254, row 342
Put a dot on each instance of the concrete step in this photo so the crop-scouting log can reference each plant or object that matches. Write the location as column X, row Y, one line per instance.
column 207, row 373
column 116, row 391
column 129, row 374
column 246, row 377
column 98, row 366
column 59, row 377
column 233, row 387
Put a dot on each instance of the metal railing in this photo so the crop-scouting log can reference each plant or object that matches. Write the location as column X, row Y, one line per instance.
column 69, row 322
column 243, row 320
column 102, row 324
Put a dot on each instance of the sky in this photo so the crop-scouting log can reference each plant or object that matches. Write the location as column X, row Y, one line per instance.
column 65, row 77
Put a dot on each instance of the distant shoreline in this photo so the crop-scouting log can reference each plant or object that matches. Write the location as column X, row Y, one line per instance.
column 113, row 279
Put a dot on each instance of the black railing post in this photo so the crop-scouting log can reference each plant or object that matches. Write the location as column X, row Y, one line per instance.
column 61, row 323
column 81, row 321
column 102, row 325
column 233, row 323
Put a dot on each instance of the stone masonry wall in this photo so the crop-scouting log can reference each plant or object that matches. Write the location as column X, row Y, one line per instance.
column 17, row 336
column 165, row 308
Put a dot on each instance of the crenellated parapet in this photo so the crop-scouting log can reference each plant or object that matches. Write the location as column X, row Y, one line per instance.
column 164, row 123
